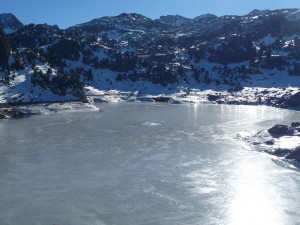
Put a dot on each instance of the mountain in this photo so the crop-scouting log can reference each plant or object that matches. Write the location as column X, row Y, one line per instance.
column 9, row 23
column 173, row 20
column 205, row 16
column 123, row 21
column 259, row 12
column 131, row 52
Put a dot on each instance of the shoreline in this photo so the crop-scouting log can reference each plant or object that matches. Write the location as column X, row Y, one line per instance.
column 274, row 97
column 17, row 111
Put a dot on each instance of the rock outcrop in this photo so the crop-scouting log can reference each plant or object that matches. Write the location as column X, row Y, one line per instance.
column 281, row 130
column 9, row 112
column 294, row 155
column 282, row 141
column 294, row 101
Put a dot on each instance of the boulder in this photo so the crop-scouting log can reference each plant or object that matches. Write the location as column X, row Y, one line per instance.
column 294, row 100
column 212, row 97
column 281, row 130
column 295, row 124
column 161, row 99
column 270, row 142
column 294, row 154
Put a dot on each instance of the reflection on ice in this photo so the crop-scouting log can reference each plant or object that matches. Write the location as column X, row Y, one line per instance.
column 201, row 182
column 252, row 206
column 253, row 200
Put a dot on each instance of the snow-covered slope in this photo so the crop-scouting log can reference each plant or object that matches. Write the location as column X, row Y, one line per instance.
column 131, row 53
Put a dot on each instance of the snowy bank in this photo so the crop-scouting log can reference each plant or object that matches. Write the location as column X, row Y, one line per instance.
column 280, row 141
column 18, row 111
column 278, row 97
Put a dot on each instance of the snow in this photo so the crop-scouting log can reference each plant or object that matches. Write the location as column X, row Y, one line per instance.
column 249, row 95
column 20, row 88
column 271, row 83
column 288, row 43
column 63, row 107
column 261, row 87
column 105, row 88
column 268, row 40
column 278, row 146
column 93, row 91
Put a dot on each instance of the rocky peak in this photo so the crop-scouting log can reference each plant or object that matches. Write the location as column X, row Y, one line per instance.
column 257, row 12
column 173, row 20
column 131, row 16
column 9, row 23
column 205, row 16
column 123, row 21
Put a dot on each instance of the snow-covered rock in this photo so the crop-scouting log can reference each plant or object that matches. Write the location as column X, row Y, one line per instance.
column 284, row 144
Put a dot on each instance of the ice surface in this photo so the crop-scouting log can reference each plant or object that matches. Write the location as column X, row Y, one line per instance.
column 106, row 168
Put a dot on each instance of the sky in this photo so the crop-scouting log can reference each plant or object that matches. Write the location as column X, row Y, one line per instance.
column 66, row 13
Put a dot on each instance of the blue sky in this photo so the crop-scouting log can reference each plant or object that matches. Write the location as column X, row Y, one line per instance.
column 66, row 13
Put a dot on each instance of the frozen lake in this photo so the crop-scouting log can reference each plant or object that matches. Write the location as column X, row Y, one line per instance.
column 145, row 164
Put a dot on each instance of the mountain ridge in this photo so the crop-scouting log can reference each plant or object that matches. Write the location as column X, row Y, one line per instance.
column 131, row 52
